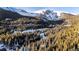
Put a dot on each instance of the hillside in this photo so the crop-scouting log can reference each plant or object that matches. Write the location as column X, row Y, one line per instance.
column 8, row 14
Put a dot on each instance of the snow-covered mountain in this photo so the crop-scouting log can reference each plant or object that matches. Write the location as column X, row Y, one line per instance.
column 48, row 15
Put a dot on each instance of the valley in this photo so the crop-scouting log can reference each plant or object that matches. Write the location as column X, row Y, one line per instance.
column 40, row 32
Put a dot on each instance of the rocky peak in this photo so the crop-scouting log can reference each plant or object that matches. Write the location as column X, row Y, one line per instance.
column 49, row 15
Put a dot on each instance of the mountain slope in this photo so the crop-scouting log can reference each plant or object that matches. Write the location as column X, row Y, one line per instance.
column 11, row 12
column 8, row 14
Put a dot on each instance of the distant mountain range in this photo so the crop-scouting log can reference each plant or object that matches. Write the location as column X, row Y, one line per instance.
column 14, row 13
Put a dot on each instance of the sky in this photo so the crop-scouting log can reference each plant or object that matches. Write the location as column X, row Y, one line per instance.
column 73, row 10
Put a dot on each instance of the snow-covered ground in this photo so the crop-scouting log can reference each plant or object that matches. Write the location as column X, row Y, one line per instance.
column 1, row 46
column 30, row 30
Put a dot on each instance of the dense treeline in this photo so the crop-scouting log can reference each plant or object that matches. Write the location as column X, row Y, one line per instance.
column 57, row 39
